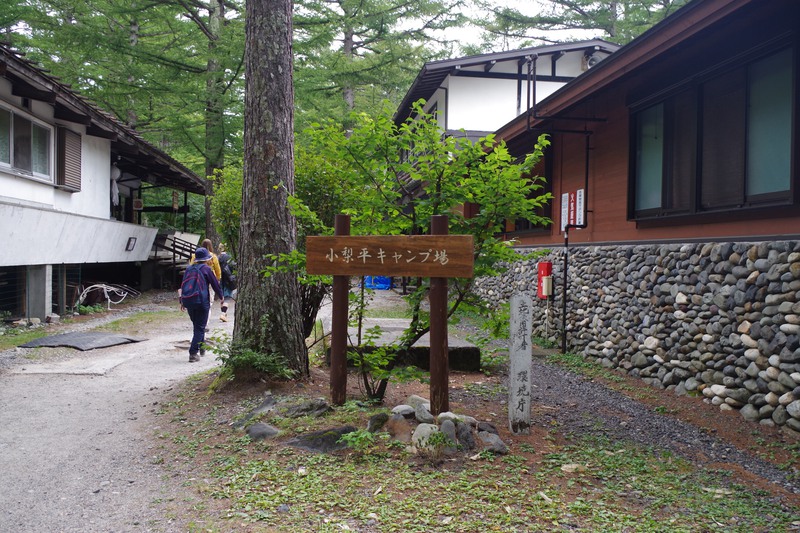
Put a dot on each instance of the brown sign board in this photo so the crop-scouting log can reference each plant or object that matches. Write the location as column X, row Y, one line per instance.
column 426, row 256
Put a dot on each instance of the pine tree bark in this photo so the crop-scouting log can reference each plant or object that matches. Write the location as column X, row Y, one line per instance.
column 268, row 318
column 214, row 114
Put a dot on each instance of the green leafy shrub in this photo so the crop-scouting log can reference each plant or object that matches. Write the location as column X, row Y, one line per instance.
column 90, row 309
column 361, row 441
column 237, row 360
column 436, row 446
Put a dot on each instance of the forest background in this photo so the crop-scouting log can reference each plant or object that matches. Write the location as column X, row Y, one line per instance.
column 236, row 90
column 174, row 69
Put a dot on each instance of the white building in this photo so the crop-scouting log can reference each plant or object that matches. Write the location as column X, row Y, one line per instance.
column 479, row 94
column 70, row 179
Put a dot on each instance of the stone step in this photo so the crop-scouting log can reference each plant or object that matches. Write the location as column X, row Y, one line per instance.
column 462, row 354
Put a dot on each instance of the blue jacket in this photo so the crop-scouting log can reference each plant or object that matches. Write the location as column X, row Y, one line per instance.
column 211, row 281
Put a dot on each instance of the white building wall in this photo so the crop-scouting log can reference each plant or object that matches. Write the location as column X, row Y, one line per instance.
column 33, row 236
column 486, row 104
column 438, row 102
column 480, row 103
column 94, row 197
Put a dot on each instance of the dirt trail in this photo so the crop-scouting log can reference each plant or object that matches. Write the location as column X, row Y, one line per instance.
column 79, row 452
column 76, row 433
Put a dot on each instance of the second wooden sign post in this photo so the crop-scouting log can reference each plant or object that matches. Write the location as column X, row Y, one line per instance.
column 437, row 256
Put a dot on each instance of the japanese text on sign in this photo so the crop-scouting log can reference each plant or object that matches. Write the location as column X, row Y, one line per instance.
column 397, row 255
column 520, row 354
column 348, row 254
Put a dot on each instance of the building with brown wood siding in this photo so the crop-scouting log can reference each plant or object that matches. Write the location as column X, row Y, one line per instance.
column 675, row 234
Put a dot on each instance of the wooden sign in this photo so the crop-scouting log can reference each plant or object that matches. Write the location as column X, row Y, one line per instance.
column 428, row 256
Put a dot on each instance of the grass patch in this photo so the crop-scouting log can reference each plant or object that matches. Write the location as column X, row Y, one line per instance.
column 134, row 324
column 388, row 312
column 590, row 484
column 17, row 336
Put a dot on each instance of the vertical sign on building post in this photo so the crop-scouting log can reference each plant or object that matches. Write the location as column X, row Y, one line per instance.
column 573, row 207
column 519, row 375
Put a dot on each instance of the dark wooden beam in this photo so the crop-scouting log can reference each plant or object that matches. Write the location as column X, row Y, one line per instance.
column 165, row 209
column 24, row 90
column 96, row 131
column 123, row 148
column 65, row 113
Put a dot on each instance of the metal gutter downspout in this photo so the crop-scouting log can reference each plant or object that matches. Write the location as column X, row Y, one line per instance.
column 531, row 89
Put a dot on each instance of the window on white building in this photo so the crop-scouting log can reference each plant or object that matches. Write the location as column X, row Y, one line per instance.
column 25, row 145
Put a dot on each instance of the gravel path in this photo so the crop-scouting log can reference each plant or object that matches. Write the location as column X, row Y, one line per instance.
column 77, row 451
column 77, row 429
column 581, row 407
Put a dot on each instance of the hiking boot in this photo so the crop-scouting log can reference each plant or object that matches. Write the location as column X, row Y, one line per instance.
column 202, row 352
column 193, row 358
column 223, row 317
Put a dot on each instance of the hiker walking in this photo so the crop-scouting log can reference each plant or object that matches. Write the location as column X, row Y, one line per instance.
column 228, row 281
column 213, row 263
column 194, row 297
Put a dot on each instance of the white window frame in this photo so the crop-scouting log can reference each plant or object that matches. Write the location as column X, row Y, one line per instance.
column 23, row 173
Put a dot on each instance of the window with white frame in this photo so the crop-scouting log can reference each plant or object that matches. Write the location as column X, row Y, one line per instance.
column 25, row 145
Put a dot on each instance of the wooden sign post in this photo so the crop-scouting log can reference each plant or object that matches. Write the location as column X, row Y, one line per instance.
column 519, row 379
column 438, row 256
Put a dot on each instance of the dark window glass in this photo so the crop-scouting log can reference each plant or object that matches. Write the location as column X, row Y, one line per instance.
column 723, row 143
column 769, row 125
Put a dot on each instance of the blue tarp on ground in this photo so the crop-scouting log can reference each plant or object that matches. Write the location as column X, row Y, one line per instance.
column 380, row 283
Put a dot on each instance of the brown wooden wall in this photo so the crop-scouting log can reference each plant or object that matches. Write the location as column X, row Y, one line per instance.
column 607, row 196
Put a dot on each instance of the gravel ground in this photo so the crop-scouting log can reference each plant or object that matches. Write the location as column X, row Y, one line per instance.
column 586, row 407
column 79, row 452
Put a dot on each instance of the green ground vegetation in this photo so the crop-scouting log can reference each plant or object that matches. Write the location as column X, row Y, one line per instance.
column 578, row 484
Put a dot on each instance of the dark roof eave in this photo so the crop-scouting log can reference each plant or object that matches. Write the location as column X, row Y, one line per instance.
column 434, row 72
column 684, row 23
column 75, row 108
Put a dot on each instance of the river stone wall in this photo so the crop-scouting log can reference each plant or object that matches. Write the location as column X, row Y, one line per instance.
column 721, row 320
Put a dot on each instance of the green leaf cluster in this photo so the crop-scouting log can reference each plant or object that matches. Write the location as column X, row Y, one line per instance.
column 614, row 20
column 392, row 178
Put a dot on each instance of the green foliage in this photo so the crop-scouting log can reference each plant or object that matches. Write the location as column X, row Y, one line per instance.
column 91, row 309
column 391, row 179
column 159, row 196
column 498, row 322
column 170, row 70
column 613, row 20
column 544, row 343
column 378, row 163
column 226, row 209
column 237, row 358
column 354, row 55
column 361, row 440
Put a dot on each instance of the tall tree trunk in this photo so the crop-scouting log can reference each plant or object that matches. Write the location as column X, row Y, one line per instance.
column 268, row 317
column 348, row 93
column 215, row 133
